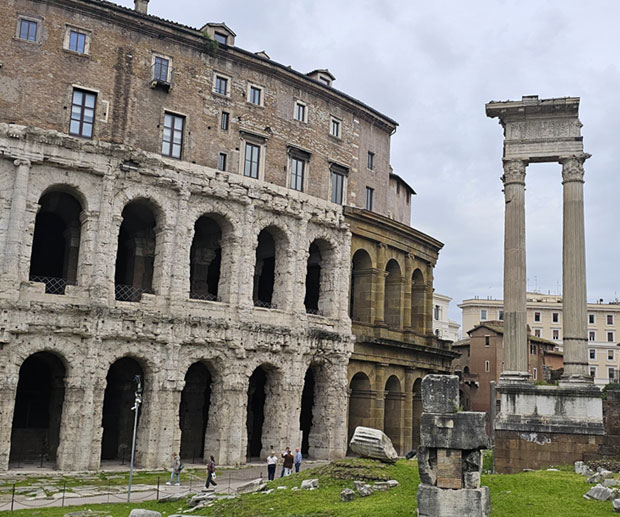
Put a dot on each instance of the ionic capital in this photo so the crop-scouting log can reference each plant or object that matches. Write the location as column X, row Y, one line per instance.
column 514, row 172
column 572, row 167
column 19, row 162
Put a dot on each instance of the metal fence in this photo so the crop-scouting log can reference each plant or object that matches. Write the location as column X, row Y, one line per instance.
column 52, row 285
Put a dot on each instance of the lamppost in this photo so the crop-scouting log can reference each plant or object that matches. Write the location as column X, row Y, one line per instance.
column 136, row 408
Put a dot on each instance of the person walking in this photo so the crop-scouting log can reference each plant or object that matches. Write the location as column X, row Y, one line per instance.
column 297, row 459
column 272, row 459
column 284, row 454
column 210, row 472
column 288, row 461
column 176, row 469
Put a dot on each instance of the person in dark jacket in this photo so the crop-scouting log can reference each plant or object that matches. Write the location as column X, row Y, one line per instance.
column 288, row 461
column 210, row 472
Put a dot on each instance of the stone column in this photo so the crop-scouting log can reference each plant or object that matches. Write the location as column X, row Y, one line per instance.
column 515, row 311
column 17, row 213
column 407, row 410
column 407, row 294
column 182, row 237
column 574, row 273
column 380, row 285
column 379, row 402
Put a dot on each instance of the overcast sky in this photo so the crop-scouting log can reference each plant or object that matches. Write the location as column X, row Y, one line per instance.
column 432, row 66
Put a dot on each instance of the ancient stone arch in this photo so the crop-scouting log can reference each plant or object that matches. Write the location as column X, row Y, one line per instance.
column 361, row 295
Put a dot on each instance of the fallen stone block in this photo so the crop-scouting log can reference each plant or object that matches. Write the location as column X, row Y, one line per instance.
column 616, row 505
column 309, row 484
column 139, row 512
column 583, row 469
column 197, row 499
column 610, row 482
column 372, row 443
column 173, row 497
column 256, row 485
column 393, row 483
column 605, row 473
column 358, row 484
column 268, row 491
column 380, row 485
column 436, row 502
column 365, row 491
column 440, row 394
column 599, row 493
column 347, row 495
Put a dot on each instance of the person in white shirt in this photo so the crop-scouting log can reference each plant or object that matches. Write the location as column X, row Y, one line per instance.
column 272, row 459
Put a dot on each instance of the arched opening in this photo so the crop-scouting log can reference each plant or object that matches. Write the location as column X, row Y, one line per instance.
column 313, row 280
column 269, row 268
column 56, row 242
column 194, row 411
column 466, row 370
column 135, row 257
column 416, row 412
column 361, row 287
column 307, row 406
column 118, row 417
column 256, row 411
column 418, row 302
column 392, row 418
column 392, row 302
column 205, row 259
column 360, row 400
column 35, row 434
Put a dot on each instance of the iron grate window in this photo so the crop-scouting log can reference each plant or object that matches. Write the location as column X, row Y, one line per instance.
column 82, row 113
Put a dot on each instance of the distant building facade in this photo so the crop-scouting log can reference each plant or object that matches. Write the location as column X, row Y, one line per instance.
column 443, row 326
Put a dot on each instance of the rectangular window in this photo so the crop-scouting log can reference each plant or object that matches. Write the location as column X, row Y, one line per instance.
column 483, row 314
column 221, row 85
column 255, row 95
column 593, row 371
column 610, row 355
column 371, row 160
column 220, row 38
column 500, row 315
column 532, row 349
column 535, row 373
column 591, row 319
column 161, row 65
column 436, row 312
column 77, row 41
column 252, row 159
column 300, row 112
column 370, row 192
column 556, row 334
column 610, row 319
column 28, row 29
column 555, row 317
column 221, row 161
column 610, row 337
column 592, row 335
column 334, row 128
column 82, row 113
column 612, row 374
column 592, row 352
column 224, row 118
column 172, row 139
column 487, row 366
column 337, row 184
column 537, row 316
column 487, row 340
column 297, row 173
column 537, row 332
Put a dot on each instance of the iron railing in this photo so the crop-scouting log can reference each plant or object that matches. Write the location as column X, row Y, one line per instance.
column 265, row 305
column 129, row 293
column 52, row 285
column 204, row 296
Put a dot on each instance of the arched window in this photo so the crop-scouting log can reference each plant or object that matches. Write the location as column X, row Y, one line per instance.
column 418, row 302
column 270, row 268
column 361, row 287
column 205, row 259
column 392, row 416
column 392, row 301
column 56, row 242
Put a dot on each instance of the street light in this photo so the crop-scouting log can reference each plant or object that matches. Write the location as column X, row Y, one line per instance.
column 136, row 408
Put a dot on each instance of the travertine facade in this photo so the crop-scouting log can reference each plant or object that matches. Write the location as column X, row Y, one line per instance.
column 174, row 210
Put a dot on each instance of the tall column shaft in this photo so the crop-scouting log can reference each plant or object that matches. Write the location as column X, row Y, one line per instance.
column 515, row 310
column 16, row 217
column 574, row 272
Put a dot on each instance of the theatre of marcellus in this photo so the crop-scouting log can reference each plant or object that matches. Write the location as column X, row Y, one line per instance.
column 225, row 228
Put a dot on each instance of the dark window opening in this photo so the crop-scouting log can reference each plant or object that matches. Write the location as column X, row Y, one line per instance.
column 206, row 259
column 256, row 412
column 307, row 405
column 194, row 411
column 56, row 242
column 37, row 414
column 313, row 280
column 118, row 417
column 264, row 273
column 136, row 252
column 220, row 38
column 221, row 161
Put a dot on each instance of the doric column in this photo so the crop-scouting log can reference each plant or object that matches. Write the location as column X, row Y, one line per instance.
column 515, row 310
column 17, row 213
column 574, row 272
column 380, row 285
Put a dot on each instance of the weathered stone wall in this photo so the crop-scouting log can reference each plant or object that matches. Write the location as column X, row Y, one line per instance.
column 166, row 332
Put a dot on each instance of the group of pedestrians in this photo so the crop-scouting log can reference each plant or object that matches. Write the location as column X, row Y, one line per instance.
column 287, row 464
column 177, row 467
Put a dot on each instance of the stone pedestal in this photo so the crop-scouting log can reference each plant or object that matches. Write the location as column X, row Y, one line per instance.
column 449, row 457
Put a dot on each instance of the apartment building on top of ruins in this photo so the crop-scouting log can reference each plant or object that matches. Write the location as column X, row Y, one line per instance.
column 207, row 219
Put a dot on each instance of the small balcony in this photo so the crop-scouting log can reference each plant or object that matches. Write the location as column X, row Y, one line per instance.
column 161, row 76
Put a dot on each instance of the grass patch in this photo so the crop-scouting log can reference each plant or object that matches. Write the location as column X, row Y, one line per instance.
column 106, row 510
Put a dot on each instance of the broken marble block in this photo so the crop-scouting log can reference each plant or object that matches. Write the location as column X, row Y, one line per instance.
column 372, row 443
column 436, row 502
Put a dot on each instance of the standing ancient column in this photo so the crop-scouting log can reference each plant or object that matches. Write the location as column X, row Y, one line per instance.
column 515, row 310
column 574, row 272
column 15, row 234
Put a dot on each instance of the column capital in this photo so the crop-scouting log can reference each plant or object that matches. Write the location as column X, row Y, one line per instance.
column 514, row 171
column 18, row 162
column 572, row 167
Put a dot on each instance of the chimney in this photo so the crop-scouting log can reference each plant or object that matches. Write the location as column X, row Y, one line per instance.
column 141, row 6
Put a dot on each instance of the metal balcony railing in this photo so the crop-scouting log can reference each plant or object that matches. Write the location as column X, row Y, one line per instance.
column 129, row 293
column 265, row 305
column 204, row 296
column 52, row 285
